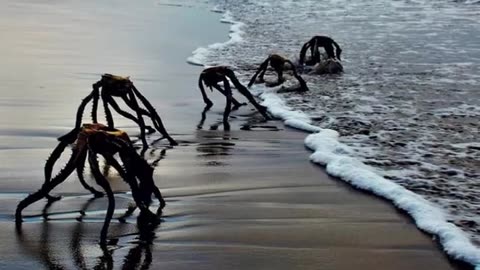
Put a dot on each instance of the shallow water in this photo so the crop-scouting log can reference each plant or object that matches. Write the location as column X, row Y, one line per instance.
column 408, row 103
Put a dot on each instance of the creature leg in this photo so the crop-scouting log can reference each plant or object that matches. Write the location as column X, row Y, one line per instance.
column 228, row 106
column 279, row 71
column 96, row 97
column 141, row 123
column 102, row 181
column 108, row 113
column 54, row 156
column 154, row 115
column 81, row 108
column 261, row 70
column 80, row 167
column 46, row 187
column 303, row 84
column 129, row 178
column 207, row 101
column 330, row 51
column 126, row 114
column 244, row 91
column 235, row 102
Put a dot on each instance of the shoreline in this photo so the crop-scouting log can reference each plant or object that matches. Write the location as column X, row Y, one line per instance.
column 235, row 200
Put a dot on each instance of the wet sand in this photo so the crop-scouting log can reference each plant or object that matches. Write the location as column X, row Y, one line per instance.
column 239, row 199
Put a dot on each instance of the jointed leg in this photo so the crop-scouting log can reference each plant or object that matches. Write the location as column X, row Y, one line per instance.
column 329, row 50
column 46, row 187
column 154, row 115
column 54, row 156
column 207, row 101
column 108, row 113
column 96, row 97
column 228, row 106
column 244, row 91
column 303, row 84
column 81, row 108
column 80, row 167
column 125, row 114
column 102, row 181
column 261, row 71
column 235, row 102
column 141, row 123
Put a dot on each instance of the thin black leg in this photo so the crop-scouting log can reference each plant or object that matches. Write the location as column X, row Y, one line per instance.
column 82, row 158
column 102, row 181
column 46, row 187
column 155, row 117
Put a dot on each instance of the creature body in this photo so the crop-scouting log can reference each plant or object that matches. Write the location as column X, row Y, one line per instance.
column 88, row 142
column 211, row 77
column 329, row 66
column 320, row 41
column 116, row 86
column 278, row 63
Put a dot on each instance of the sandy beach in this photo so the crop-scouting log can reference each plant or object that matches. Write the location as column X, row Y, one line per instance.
column 241, row 199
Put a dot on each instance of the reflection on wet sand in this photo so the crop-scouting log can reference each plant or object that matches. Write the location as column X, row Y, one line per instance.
column 139, row 255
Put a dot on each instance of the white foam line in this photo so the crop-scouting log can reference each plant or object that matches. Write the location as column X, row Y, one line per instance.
column 200, row 55
column 335, row 156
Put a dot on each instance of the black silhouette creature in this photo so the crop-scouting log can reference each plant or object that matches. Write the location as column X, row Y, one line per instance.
column 314, row 44
column 279, row 64
column 211, row 77
column 115, row 86
column 90, row 141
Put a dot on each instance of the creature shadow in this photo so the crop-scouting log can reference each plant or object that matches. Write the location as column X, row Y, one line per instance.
column 139, row 255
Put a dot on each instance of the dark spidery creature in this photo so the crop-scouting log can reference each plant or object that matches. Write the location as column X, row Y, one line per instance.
column 278, row 63
column 314, row 44
column 110, row 86
column 88, row 142
column 211, row 77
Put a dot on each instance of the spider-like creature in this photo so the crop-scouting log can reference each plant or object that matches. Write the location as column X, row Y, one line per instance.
column 117, row 86
column 320, row 41
column 211, row 77
column 279, row 64
column 90, row 141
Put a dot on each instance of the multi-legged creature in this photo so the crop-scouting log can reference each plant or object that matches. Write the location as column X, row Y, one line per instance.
column 278, row 63
column 88, row 142
column 214, row 75
column 320, row 41
column 116, row 86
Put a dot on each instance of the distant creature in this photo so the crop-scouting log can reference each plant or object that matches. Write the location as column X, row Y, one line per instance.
column 279, row 64
column 88, row 142
column 211, row 77
column 116, row 86
column 314, row 44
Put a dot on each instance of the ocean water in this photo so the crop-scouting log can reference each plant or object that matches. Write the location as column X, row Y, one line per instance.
column 402, row 121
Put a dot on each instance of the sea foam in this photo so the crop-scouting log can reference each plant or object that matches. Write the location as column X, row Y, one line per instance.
column 338, row 161
column 201, row 54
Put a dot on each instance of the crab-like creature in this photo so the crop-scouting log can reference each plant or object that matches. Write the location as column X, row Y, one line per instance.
column 314, row 44
column 211, row 77
column 279, row 64
column 88, row 142
column 110, row 86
